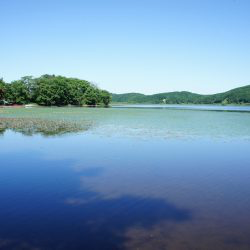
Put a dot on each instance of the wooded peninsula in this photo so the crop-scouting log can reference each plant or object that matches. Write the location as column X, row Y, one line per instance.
column 51, row 90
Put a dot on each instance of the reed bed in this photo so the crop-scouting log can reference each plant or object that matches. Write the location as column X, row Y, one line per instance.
column 30, row 126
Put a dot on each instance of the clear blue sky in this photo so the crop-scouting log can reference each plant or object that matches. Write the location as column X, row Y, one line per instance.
column 131, row 45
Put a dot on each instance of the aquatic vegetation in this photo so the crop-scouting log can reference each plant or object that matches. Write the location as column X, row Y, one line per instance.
column 46, row 127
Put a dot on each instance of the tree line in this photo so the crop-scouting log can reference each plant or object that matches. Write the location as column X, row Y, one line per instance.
column 50, row 90
column 239, row 95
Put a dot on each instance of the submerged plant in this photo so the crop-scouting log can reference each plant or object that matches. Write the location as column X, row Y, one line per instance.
column 30, row 126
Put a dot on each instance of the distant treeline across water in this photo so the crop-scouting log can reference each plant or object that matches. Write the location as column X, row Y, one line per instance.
column 51, row 90
column 235, row 96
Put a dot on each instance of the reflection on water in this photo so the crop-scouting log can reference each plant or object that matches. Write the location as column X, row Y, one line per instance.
column 31, row 126
column 39, row 208
column 105, row 221
column 91, row 191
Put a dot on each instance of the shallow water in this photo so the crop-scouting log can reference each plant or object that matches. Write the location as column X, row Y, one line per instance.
column 136, row 179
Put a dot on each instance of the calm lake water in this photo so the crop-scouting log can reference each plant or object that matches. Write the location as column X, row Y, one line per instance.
column 140, row 177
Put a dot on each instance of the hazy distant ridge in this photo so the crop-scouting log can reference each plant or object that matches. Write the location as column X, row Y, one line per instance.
column 239, row 95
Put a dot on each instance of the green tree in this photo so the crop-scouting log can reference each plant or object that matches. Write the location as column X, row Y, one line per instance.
column 105, row 97
column 17, row 93
column 224, row 102
column 90, row 97
column 31, row 85
column 2, row 90
column 52, row 90
column 77, row 88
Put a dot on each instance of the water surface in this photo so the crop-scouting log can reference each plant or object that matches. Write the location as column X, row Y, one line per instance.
column 135, row 179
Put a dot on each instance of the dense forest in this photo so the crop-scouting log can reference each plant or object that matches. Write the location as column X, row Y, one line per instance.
column 235, row 96
column 51, row 90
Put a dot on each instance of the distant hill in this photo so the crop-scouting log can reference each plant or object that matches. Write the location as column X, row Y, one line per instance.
column 235, row 96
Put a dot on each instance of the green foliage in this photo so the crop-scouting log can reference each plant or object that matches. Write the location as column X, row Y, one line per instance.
column 224, row 102
column 31, row 86
column 51, row 90
column 235, row 96
column 17, row 93
column 130, row 98
column 77, row 89
column 2, row 90
column 105, row 97
column 91, row 96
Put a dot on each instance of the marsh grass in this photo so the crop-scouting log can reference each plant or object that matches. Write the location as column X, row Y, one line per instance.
column 46, row 127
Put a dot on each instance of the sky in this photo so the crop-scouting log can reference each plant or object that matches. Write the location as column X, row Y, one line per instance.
column 146, row 46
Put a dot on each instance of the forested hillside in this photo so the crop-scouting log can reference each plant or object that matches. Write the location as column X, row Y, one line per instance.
column 50, row 90
column 235, row 96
